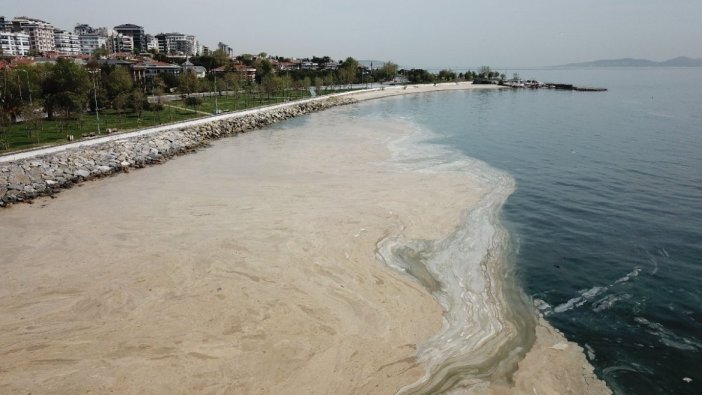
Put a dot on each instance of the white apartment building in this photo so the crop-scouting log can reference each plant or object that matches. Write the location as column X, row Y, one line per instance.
column 178, row 44
column 14, row 44
column 151, row 43
column 67, row 43
column 41, row 34
column 90, row 42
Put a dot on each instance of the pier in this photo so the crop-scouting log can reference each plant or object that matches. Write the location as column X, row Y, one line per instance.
column 570, row 87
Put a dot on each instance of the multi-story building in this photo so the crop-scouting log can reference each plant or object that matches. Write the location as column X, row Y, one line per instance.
column 226, row 49
column 67, row 43
column 83, row 28
column 91, row 42
column 5, row 25
column 90, row 39
column 178, row 44
column 120, row 43
column 14, row 44
column 41, row 34
column 136, row 33
column 151, row 43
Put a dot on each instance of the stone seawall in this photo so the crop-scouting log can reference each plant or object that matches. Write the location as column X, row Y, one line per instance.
column 26, row 179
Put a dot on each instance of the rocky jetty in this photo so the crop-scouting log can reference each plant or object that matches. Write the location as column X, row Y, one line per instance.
column 27, row 179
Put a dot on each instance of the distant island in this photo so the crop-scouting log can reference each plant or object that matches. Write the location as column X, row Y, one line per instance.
column 680, row 61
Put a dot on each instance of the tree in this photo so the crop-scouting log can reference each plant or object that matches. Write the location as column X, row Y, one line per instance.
column 387, row 72
column 484, row 72
column 11, row 95
column 264, row 68
column 419, row 76
column 118, row 82
column 100, row 52
column 348, row 70
column 246, row 59
column 170, row 80
column 65, row 88
column 221, row 58
column 119, row 102
column 446, row 75
column 318, row 85
column 306, row 83
column 231, row 82
column 206, row 61
column 137, row 102
column 188, row 83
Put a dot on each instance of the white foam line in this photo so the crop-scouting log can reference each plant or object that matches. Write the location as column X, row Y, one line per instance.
column 589, row 294
column 477, row 321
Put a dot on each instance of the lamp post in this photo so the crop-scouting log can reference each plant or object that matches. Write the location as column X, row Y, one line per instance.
column 97, row 112
column 216, row 93
column 371, row 75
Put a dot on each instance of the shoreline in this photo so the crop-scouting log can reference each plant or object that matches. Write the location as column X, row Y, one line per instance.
column 536, row 370
column 492, row 340
column 27, row 175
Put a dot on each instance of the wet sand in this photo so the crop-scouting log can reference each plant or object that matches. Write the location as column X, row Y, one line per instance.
column 250, row 267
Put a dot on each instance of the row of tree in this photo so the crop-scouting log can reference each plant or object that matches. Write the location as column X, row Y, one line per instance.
column 66, row 88
column 418, row 76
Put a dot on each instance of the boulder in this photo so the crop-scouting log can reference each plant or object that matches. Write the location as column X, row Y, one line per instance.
column 81, row 173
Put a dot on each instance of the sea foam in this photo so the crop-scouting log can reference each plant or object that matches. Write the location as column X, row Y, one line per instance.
column 487, row 324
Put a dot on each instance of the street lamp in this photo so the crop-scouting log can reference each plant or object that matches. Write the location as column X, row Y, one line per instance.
column 97, row 113
column 216, row 93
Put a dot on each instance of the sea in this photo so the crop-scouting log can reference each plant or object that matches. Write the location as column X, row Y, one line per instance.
column 606, row 218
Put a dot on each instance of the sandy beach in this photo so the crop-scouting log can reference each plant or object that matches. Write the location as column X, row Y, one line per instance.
column 253, row 267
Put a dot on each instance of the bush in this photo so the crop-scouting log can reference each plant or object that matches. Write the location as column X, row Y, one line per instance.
column 193, row 101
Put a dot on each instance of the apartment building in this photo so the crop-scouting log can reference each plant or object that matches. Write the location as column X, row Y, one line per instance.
column 226, row 49
column 90, row 38
column 41, row 33
column 67, row 43
column 14, row 44
column 178, row 44
column 151, row 43
column 5, row 25
column 136, row 33
column 120, row 43
column 91, row 42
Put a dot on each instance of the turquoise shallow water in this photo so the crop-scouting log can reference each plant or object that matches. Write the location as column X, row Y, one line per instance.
column 607, row 215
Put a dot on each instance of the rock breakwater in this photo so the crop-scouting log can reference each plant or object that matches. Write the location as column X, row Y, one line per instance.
column 26, row 179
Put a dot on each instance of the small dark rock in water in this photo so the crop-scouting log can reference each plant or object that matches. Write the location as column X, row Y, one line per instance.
column 557, row 266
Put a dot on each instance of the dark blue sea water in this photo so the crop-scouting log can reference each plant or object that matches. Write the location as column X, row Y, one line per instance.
column 607, row 214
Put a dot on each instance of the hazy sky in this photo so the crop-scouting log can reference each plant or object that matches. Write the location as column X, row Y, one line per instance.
column 427, row 33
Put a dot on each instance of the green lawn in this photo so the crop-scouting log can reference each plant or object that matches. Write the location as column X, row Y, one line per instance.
column 25, row 135
column 241, row 101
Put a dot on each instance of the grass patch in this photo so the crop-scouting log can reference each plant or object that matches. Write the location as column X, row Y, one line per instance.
column 25, row 135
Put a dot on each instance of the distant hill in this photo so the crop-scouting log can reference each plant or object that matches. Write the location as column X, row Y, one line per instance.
column 681, row 61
